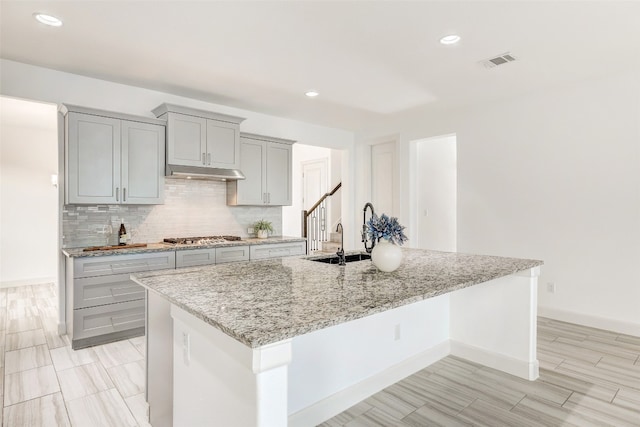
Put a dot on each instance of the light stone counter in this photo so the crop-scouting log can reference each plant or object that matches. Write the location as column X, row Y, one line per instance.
column 263, row 302
column 159, row 247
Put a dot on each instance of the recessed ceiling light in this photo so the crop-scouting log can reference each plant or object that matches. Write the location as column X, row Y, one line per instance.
column 450, row 39
column 312, row 93
column 47, row 19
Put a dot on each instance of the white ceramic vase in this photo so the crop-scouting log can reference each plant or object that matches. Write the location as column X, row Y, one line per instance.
column 263, row 234
column 386, row 256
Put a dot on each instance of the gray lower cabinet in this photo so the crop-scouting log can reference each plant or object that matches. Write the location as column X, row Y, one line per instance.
column 277, row 250
column 206, row 256
column 103, row 303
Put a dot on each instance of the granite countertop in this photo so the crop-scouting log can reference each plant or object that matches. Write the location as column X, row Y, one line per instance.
column 159, row 247
column 262, row 302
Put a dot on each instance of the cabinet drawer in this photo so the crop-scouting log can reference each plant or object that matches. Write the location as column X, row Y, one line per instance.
column 101, row 290
column 121, row 264
column 193, row 257
column 232, row 254
column 277, row 250
column 104, row 319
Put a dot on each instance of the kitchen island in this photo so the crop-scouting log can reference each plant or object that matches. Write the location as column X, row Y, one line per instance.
column 293, row 341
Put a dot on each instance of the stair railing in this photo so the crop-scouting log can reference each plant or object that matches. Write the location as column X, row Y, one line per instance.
column 314, row 221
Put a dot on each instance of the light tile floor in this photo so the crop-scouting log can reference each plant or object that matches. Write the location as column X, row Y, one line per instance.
column 45, row 383
column 588, row 377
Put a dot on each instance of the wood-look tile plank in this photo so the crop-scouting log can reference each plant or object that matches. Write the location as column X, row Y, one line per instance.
column 103, row 409
column 117, row 353
column 600, row 347
column 481, row 413
column 548, row 361
column 30, row 384
column 552, row 415
column 598, row 375
column 129, row 378
column 54, row 340
column 84, row 380
column 27, row 358
column 139, row 343
column 375, row 418
column 390, row 404
column 139, row 408
column 45, row 411
column 604, row 412
column 537, row 389
column 569, row 382
column 23, row 324
column 569, row 351
column 502, row 397
column 65, row 358
column 24, row 339
column 428, row 415
column 347, row 415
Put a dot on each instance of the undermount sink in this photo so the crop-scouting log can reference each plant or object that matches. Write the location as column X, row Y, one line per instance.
column 348, row 258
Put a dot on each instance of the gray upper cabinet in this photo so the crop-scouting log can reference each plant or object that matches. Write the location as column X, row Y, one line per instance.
column 201, row 138
column 113, row 158
column 267, row 165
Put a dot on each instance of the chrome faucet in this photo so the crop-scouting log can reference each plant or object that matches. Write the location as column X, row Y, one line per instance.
column 340, row 253
column 364, row 228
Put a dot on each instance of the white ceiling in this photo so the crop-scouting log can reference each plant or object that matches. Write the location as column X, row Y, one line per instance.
column 367, row 59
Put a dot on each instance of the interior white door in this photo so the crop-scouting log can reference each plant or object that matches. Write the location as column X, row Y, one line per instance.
column 384, row 182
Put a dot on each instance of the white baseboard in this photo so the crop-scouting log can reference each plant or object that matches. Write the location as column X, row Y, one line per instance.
column 519, row 368
column 619, row 326
column 27, row 282
column 344, row 399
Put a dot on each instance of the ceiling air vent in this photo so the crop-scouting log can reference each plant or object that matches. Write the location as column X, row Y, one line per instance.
column 498, row 60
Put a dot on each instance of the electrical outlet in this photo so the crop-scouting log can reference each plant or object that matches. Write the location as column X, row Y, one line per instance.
column 551, row 287
column 186, row 347
column 396, row 333
column 250, row 230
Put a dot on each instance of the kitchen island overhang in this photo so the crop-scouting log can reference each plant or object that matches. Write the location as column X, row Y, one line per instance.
column 306, row 340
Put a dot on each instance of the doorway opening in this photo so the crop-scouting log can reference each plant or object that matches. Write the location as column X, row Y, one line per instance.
column 316, row 171
column 434, row 194
column 29, row 210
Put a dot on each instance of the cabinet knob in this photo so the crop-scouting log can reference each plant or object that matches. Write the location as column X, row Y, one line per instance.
column 117, row 194
column 203, row 159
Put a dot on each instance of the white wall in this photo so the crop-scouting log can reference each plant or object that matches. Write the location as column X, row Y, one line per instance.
column 555, row 176
column 436, row 194
column 28, row 200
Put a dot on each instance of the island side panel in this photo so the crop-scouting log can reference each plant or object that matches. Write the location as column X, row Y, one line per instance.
column 494, row 323
column 334, row 368
column 217, row 379
column 159, row 359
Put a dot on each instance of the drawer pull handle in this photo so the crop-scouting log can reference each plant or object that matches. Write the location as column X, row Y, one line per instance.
column 125, row 292
column 121, row 323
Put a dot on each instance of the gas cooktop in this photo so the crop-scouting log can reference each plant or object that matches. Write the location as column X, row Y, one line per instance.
column 201, row 240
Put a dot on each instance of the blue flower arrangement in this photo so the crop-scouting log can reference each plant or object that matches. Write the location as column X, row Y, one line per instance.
column 386, row 228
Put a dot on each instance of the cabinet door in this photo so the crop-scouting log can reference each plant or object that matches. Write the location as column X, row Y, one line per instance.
column 232, row 254
column 93, row 160
column 251, row 191
column 277, row 250
column 142, row 163
column 193, row 257
column 278, row 176
column 187, row 137
column 223, row 145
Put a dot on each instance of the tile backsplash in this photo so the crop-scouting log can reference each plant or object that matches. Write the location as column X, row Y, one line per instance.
column 191, row 208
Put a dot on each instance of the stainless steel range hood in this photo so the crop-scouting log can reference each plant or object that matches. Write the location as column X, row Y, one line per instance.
column 196, row 172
